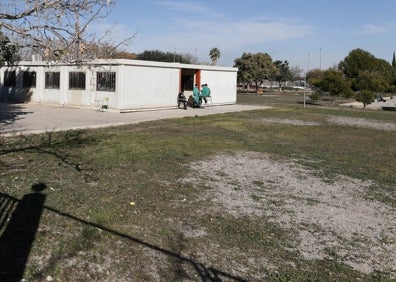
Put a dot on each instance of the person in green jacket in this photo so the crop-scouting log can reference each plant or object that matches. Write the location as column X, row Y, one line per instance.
column 197, row 94
column 205, row 92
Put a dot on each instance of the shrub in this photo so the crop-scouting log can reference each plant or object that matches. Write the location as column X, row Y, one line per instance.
column 365, row 96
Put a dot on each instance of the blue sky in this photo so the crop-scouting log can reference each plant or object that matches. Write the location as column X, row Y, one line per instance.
column 286, row 30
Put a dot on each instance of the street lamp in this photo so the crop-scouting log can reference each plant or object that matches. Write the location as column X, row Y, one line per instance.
column 305, row 82
column 320, row 59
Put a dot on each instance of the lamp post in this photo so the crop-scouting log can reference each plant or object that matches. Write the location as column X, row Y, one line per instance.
column 320, row 59
column 305, row 82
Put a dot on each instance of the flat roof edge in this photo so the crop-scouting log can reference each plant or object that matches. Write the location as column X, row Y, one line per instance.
column 127, row 62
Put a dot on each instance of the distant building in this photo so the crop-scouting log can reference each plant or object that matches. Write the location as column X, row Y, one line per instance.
column 126, row 84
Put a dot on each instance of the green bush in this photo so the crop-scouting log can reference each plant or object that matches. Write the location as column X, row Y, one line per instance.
column 315, row 96
column 365, row 96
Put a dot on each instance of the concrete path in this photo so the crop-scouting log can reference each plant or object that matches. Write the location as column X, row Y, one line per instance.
column 18, row 119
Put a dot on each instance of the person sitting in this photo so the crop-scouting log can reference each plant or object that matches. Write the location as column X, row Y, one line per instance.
column 197, row 96
column 205, row 92
column 181, row 99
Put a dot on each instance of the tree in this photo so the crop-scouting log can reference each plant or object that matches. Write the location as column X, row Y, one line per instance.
column 214, row 55
column 314, row 76
column 254, row 67
column 360, row 63
column 160, row 56
column 296, row 73
column 394, row 60
column 281, row 72
column 334, row 83
column 56, row 29
column 365, row 96
column 7, row 50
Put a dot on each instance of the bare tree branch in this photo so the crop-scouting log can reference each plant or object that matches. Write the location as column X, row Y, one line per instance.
column 56, row 29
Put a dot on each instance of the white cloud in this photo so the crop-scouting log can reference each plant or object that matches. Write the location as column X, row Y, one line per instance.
column 195, row 28
column 189, row 7
column 198, row 37
column 370, row 29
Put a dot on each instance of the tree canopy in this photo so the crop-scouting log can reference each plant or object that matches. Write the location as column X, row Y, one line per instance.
column 365, row 71
column 332, row 81
column 160, row 56
column 254, row 67
column 214, row 55
column 7, row 50
column 365, row 96
column 281, row 72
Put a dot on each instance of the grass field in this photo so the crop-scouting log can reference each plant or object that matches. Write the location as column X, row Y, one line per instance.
column 282, row 194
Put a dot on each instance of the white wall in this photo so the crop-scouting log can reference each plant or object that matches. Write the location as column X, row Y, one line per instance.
column 222, row 85
column 139, row 84
column 149, row 87
column 18, row 93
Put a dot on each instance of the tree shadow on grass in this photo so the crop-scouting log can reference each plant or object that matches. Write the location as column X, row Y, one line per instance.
column 19, row 220
column 204, row 272
column 57, row 145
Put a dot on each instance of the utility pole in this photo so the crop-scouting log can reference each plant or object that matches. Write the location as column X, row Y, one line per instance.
column 320, row 59
column 305, row 82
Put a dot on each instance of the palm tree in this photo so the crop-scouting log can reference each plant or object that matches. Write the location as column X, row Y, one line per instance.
column 214, row 55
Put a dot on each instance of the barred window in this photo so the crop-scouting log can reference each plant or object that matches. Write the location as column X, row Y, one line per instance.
column 106, row 81
column 29, row 79
column 9, row 79
column 77, row 80
column 52, row 80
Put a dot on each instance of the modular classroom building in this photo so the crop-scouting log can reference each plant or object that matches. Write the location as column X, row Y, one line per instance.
column 127, row 84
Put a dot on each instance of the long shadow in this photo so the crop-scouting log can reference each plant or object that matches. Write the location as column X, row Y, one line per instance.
column 16, row 240
column 24, row 215
column 19, row 232
column 204, row 272
column 10, row 112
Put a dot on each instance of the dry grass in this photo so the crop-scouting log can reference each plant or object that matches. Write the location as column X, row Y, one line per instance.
column 279, row 194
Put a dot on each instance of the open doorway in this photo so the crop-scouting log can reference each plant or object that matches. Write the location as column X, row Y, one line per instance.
column 188, row 78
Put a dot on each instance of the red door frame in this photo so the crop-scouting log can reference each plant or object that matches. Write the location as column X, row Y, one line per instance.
column 198, row 78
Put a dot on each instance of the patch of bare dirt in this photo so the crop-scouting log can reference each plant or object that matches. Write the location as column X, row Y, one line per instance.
column 363, row 122
column 326, row 215
column 289, row 121
column 346, row 121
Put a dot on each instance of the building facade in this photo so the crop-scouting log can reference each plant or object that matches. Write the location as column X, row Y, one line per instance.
column 125, row 84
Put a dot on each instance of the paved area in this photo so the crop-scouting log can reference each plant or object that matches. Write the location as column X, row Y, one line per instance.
column 36, row 118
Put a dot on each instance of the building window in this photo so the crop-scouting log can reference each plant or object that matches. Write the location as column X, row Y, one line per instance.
column 52, row 80
column 29, row 79
column 9, row 79
column 77, row 80
column 106, row 81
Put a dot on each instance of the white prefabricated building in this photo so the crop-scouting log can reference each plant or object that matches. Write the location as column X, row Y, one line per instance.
column 126, row 84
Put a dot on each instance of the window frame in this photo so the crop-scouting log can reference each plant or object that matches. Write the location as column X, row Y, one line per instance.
column 106, row 81
column 29, row 79
column 9, row 78
column 52, row 80
column 77, row 80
